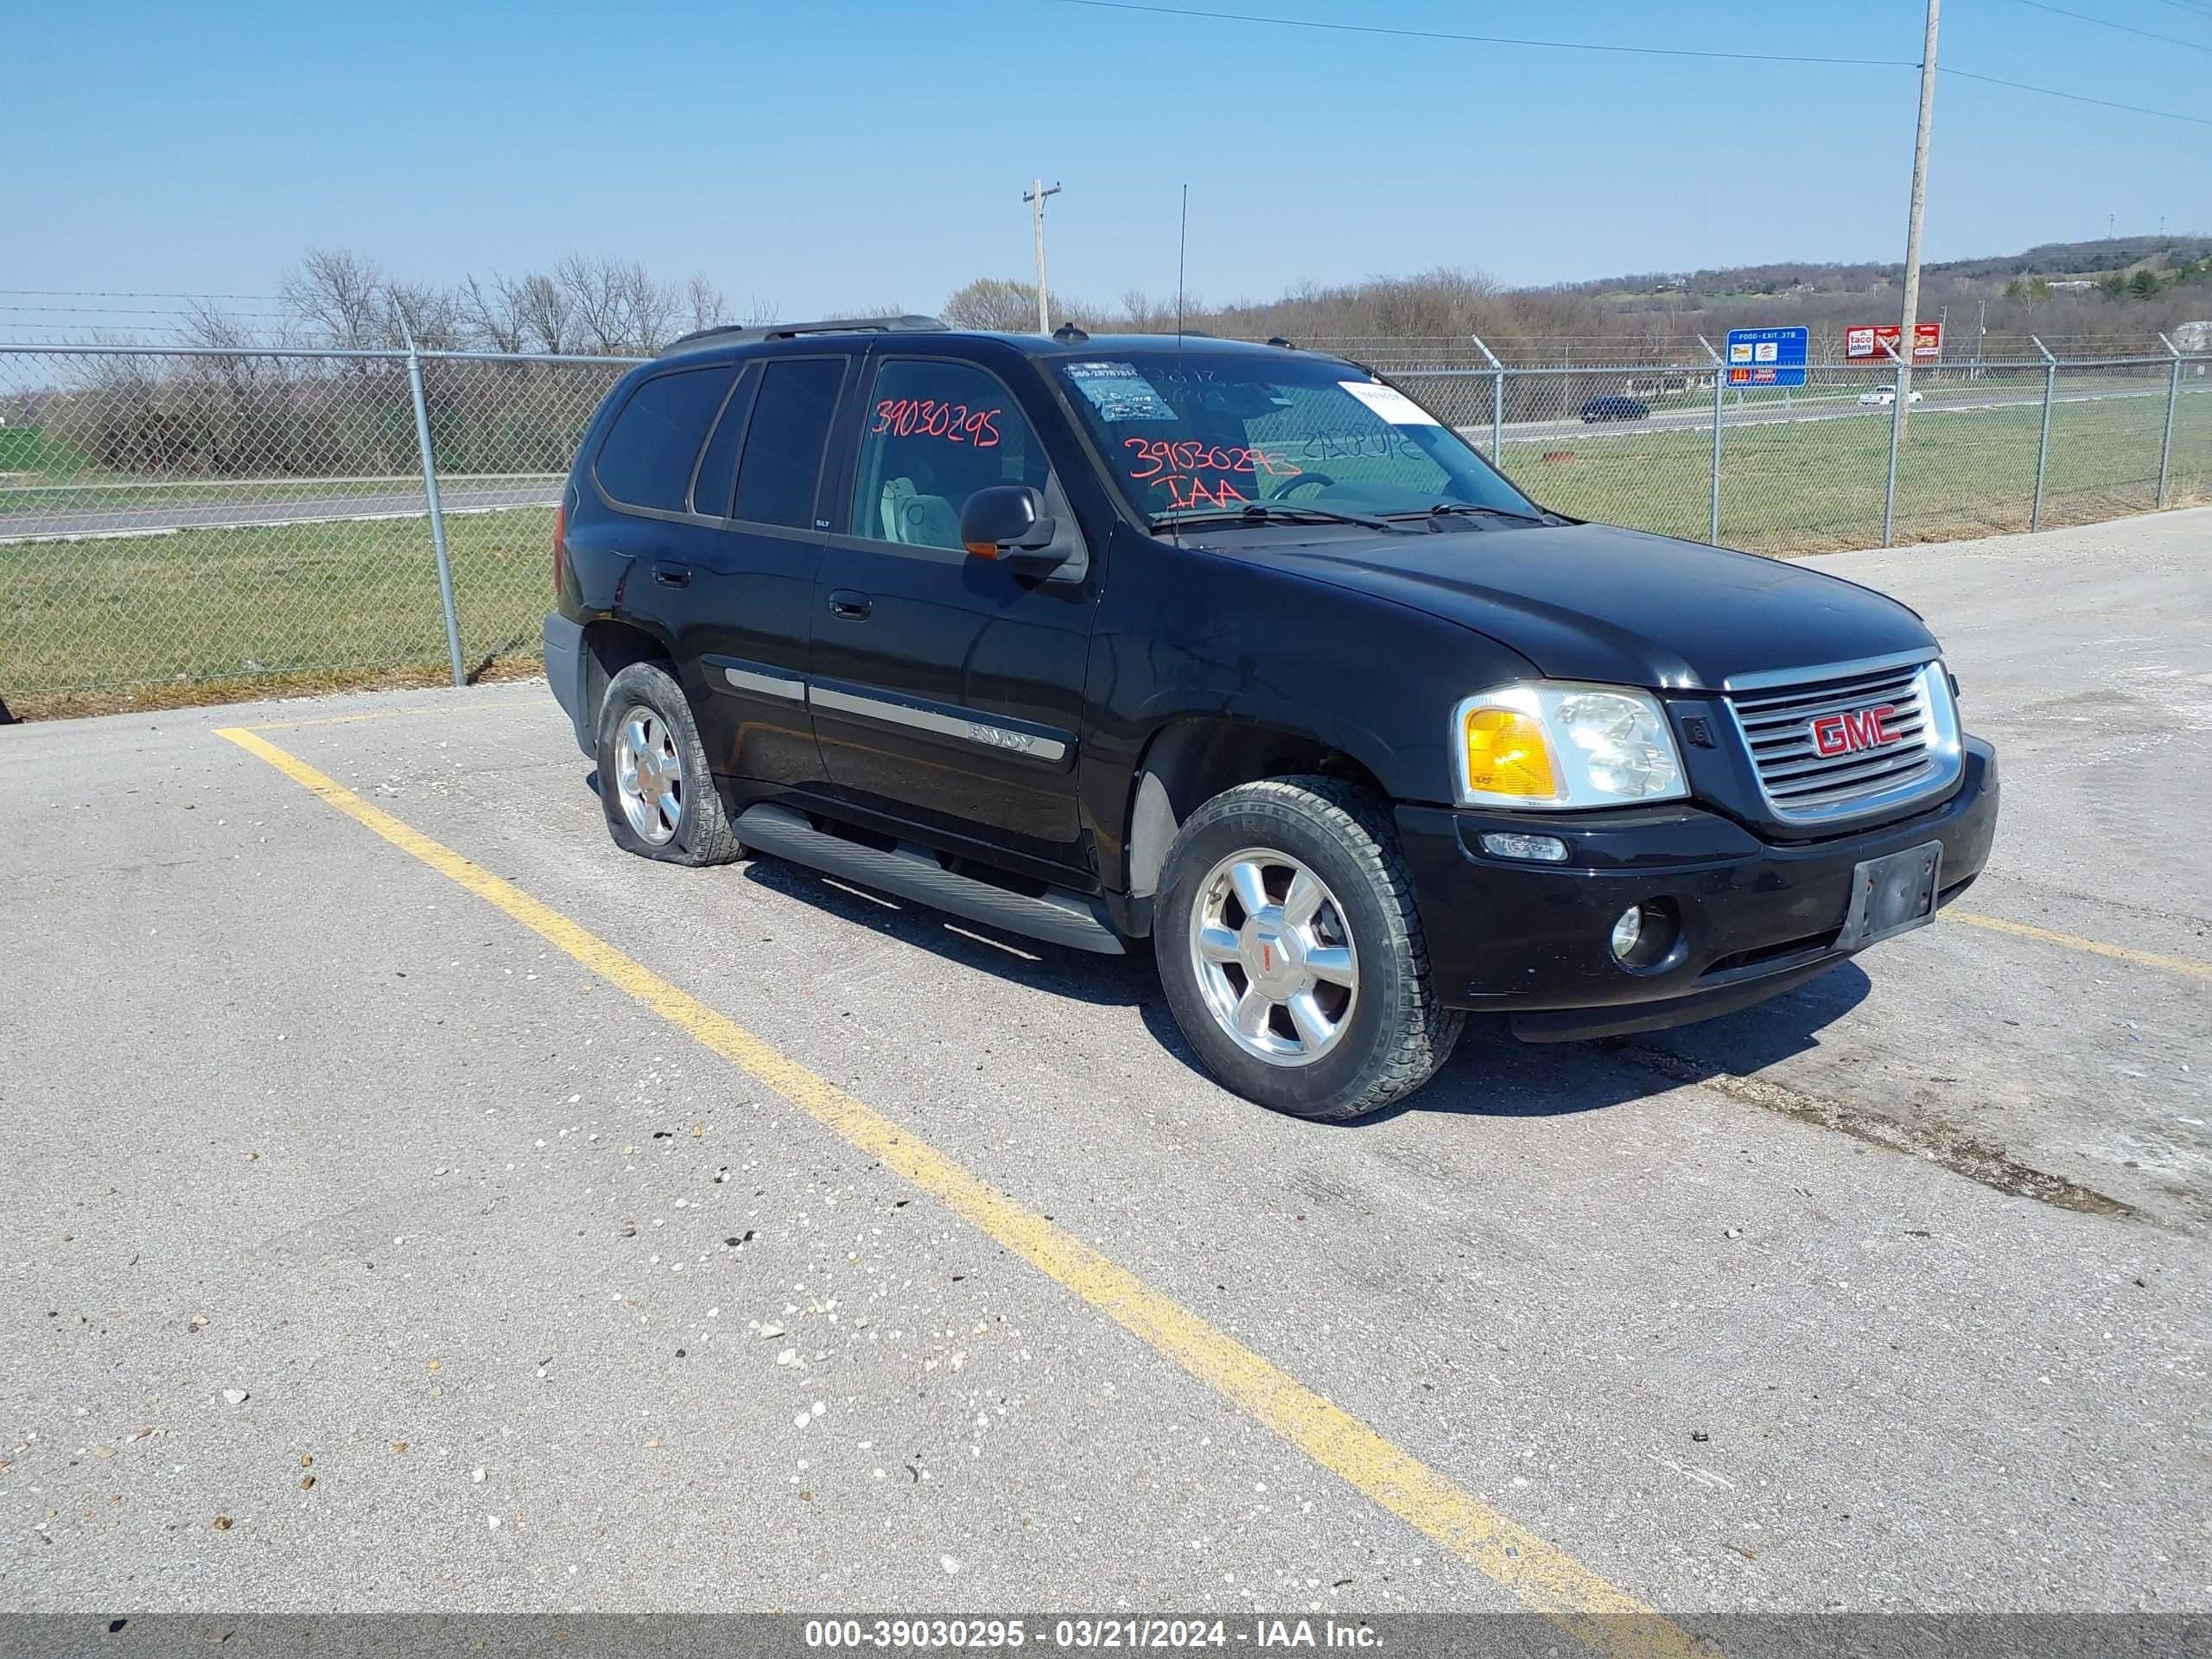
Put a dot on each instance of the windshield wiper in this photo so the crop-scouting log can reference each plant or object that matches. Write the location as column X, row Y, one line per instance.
column 1444, row 508
column 1265, row 512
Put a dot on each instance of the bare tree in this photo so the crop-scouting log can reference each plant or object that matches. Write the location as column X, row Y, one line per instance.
column 1142, row 314
column 492, row 312
column 211, row 327
column 543, row 315
column 336, row 293
column 594, row 295
column 654, row 309
column 430, row 317
column 707, row 304
column 617, row 306
column 994, row 302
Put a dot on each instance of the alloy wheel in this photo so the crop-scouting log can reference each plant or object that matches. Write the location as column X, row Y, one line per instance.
column 1275, row 960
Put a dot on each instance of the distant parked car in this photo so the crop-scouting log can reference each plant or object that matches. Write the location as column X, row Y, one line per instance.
column 1883, row 397
column 1615, row 409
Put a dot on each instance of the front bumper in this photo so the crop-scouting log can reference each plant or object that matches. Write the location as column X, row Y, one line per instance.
column 1756, row 917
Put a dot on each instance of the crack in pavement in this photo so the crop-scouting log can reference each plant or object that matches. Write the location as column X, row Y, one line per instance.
column 1943, row 1143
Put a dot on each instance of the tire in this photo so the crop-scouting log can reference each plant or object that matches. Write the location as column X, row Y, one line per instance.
column 1352, row 1046
column 640, row 800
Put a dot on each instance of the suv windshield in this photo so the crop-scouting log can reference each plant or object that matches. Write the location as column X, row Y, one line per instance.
column 1194, row 433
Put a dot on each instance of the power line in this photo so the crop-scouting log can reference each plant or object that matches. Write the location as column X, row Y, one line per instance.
column 2194, row 10
column 139, row 311
column 119, row 293
column 2078, row 98
column 2102, row 22
column 1632, row 51
column 1486, row 40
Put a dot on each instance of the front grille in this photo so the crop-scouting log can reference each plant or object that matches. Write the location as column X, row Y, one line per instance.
column 1804, row 786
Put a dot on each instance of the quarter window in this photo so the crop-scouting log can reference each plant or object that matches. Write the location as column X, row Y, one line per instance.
column 936, row 432
column 645, row 459
column 782, row 467
column 710, row 490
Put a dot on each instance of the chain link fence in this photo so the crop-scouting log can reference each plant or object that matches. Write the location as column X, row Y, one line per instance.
column 180, row 525
column 187, row 525
column 1983, row 448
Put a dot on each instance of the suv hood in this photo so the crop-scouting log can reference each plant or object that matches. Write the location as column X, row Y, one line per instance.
column 1619, row 606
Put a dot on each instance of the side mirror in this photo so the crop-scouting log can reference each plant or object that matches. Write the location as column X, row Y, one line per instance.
column 1008, row 521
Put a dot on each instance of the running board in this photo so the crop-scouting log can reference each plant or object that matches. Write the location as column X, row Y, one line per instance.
column 1058, row 917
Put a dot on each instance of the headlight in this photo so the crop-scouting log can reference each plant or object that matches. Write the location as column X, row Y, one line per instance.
column 1548, row 744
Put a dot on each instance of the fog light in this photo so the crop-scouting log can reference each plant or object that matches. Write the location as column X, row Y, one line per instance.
column 1545, row 849
column 1648, row 937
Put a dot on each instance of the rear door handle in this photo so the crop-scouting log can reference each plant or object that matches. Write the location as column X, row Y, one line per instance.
column 672, row 575
column 854, row 607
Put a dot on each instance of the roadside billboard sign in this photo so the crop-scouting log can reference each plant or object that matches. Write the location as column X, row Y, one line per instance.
column 1767, row 357
column 1863, row 344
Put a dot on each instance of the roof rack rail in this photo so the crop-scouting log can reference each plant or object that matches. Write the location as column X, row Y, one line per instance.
column 731, row 333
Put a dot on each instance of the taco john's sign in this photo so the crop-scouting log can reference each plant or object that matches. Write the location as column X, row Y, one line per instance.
column 1863, row 344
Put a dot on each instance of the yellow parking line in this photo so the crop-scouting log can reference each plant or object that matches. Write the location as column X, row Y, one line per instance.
column 2076, row 941
column 1547, row 1577
column 390, row 714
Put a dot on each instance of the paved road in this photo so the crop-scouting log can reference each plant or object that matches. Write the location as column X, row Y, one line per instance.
column 61, row 513
column 314, row 1153
column 1699, row 418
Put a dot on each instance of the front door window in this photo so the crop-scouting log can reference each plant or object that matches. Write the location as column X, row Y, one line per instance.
column 936, row 432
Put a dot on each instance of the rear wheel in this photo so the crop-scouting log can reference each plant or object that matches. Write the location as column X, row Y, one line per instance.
column 654, row 784
column 1291, row 951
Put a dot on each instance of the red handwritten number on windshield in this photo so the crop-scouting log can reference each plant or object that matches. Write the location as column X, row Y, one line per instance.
column 1197, row 474
column 927, row 418
column 1185, row 491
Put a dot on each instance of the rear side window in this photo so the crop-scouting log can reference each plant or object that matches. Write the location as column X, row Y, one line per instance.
column 777, row 479
column 646, row 458
column 710, row 490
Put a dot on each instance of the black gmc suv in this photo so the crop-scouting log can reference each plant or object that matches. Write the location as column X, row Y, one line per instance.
column 1237, row 649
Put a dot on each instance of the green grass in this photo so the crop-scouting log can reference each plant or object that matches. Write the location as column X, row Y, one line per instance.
column 27, row 449
column 309, row 604
column 1807, row 487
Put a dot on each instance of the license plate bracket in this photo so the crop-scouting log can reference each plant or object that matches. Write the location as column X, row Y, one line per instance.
column 1892, row 894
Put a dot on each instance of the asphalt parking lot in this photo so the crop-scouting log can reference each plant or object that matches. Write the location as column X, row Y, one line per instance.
column 384, row 1236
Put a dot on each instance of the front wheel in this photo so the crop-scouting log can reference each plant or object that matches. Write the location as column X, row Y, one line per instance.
column 1292, row 953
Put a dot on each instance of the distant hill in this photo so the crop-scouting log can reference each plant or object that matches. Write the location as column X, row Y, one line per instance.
column 2109, row 296
column 2049, row 260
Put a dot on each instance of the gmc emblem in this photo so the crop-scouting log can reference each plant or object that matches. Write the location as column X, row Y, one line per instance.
column 1862, row 728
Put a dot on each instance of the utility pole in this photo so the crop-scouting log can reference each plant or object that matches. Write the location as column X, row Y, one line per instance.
column 1906, row 334
column 1035, row 197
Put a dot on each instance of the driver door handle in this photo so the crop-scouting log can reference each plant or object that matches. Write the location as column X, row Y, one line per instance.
column 853, row 607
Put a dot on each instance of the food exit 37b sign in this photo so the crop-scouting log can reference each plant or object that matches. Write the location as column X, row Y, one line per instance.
column 1766, row 356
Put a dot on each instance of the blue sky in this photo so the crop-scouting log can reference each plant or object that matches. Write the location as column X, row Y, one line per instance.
column 849, row 153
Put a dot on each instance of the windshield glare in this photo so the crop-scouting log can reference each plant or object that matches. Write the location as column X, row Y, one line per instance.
column 1206, row 432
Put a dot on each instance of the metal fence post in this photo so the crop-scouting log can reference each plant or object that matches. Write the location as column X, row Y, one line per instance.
column 1720, row 379
column 2173, row 396
column 2043, row 444
column 1896, row 431
column 1496, row 405
column 437, row 518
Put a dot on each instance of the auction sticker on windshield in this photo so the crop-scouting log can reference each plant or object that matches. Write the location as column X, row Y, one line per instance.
column 1389, row 402
column 1118, row 393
